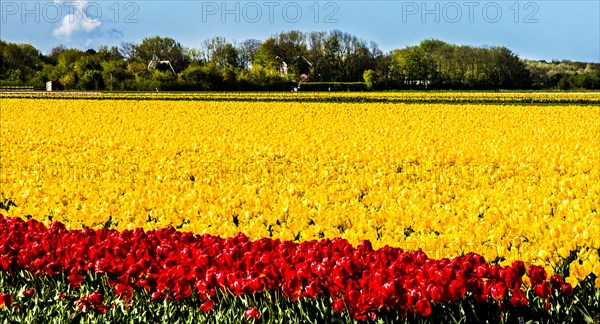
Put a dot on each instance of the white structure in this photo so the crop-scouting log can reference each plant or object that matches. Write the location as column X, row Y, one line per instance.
column 283, row 69
column 154, row 62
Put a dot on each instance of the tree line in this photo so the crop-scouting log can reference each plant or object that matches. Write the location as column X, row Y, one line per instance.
column 282, row 61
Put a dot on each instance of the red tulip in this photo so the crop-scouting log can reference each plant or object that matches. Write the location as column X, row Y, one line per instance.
column 53, row 268
column 543, row 290
column 124, row 291
column 6, row 300
column 201, row 286
column 424, row 307
column 100, row 309
column 292, row 288
column 91, row 302
column 338, row 305
column 499, row 291
column 182, row 290
column 557, row 281
column 252, row 313
column 29, row 293
column 520, row 267
column 518, row 298
column 207, row 306
column 536, row 274
column 157, row 296
column 311, row 290
column 96, row 298
column 75, row 279
column 567, row 289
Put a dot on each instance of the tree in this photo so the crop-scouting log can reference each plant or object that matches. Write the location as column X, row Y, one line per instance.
column 221, row 53
column 508, row 71
column 114, row 74
column 412, row 65
column 158, row 48
column 332, row 58
column 18, row 62
column 201, row 77
column 105, row 53
column 372, row 79
column 68, row 80
column 91, row 80
column 67, row 58
column 287, row 47
column 316, row 51
column 344, row 57
column 267, row 55
column 247, row 52
column 129, row 51
column 55, row 53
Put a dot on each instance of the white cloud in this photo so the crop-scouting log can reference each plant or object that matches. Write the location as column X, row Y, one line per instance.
column 88, row 25
column 75, row 22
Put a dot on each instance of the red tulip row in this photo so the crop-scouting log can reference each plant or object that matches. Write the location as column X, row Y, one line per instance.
column 171, row 265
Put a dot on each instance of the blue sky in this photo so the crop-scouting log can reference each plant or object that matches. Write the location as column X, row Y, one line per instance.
column 532, row 29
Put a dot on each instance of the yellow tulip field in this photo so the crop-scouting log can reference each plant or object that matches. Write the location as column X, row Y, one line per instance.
column 507, row 181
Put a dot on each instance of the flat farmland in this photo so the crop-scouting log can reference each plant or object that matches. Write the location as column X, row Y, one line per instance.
column 507, row 181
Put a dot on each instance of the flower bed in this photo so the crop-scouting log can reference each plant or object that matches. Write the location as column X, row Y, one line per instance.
column 176, row 266
column 466, row 204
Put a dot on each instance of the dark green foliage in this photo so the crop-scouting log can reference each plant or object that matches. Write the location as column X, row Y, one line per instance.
column 55, row 301
column 333, row 86
column 317, row 61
